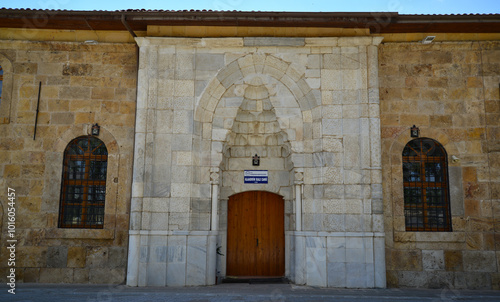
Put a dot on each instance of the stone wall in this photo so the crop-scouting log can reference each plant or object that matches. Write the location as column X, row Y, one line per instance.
column 450, row 91
column 82, row 84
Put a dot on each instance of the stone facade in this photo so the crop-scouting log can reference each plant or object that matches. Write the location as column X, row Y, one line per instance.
column 308, row 107
column 80, row 85
column 328, row 114
column 450, row 91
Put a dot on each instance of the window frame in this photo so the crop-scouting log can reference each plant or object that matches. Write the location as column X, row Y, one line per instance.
column 71, row 178
column 421, row 159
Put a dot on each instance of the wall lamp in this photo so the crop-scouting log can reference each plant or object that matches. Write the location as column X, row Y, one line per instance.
column 428, row 40
column 414, row 131
column 95, row 129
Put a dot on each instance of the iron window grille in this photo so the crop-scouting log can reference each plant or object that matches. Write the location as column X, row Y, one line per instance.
column 426, row 186
column 83, row 188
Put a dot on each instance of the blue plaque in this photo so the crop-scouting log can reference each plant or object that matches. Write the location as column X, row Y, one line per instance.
column 256, row 176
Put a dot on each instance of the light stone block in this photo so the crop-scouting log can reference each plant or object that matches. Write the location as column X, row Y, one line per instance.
column 332, row 126
column 164, row 120
column 156, row 274
column 433, row 260
column 196, row 261
column 337, row 274
column 183, row 121
column 334, row 206
column 183, row 158
column 333, row 175
column 332, row 112
column 354, row 206
column 355, row 255
column 176, row 274
column 336, row 249
column 356, row 275
column 316, row 261
column 209, row 61
column 181, row 190
column 183, row 88
column 159, row 221
column 354, row 223
column 179, row 205
column 332, row 79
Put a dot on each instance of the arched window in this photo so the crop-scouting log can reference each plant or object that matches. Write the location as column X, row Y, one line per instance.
column 83, row 188
column 426, row 192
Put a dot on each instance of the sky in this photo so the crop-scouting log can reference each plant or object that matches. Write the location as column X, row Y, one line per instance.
column 400, row 6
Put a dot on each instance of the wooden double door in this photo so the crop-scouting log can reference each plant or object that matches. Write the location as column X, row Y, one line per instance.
column 256, row 235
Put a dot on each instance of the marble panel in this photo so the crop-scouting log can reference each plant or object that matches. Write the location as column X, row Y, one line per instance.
column 142, row 279
column 176, row 274
column 316, row 261
column 356, row 275
column 156, row 274
column 176, row 249
column 337, row 274
column 300, row 260
column 196, row 261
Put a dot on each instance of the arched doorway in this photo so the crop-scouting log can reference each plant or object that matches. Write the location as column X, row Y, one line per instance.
column 255, row 235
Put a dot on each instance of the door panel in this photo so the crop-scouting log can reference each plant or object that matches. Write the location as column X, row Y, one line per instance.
column 255, row 235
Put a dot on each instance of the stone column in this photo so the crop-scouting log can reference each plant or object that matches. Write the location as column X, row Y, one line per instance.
column 214, row 226
column 214, row 179
column 299, row 239
column 299, row 182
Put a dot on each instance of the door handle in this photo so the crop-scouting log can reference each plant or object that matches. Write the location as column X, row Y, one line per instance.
column 257, row 241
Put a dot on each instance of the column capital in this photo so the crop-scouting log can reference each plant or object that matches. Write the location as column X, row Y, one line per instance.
column 298, row 178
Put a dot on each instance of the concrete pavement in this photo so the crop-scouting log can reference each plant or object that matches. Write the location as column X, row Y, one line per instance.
column 233, row 292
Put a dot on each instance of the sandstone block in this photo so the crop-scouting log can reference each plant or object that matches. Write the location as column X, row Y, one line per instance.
column 97, row 257
column 107, row 276
column 433, row 260
column 73, row 69
column 76, row 257
column 31, row 275
column 453, row 261
column 81, row 275
column 479, row 261
column 59, row 118
column 26, row 68
column 11, row 171
column 406, row 260
column 103, row 93
column 58, row 105
column 56, row 275
column 117, row 257
column 73, row 92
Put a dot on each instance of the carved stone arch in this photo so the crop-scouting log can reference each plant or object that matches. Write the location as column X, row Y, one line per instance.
column 7, row 85
column 215, row 127
column 404, row 137
column 255, row 63
column 82, row 130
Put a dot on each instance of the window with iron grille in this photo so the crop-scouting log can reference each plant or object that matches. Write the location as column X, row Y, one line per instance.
column 426, row 186
column 83, row 188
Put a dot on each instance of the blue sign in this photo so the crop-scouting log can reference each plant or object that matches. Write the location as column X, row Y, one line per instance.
column 256, row 176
